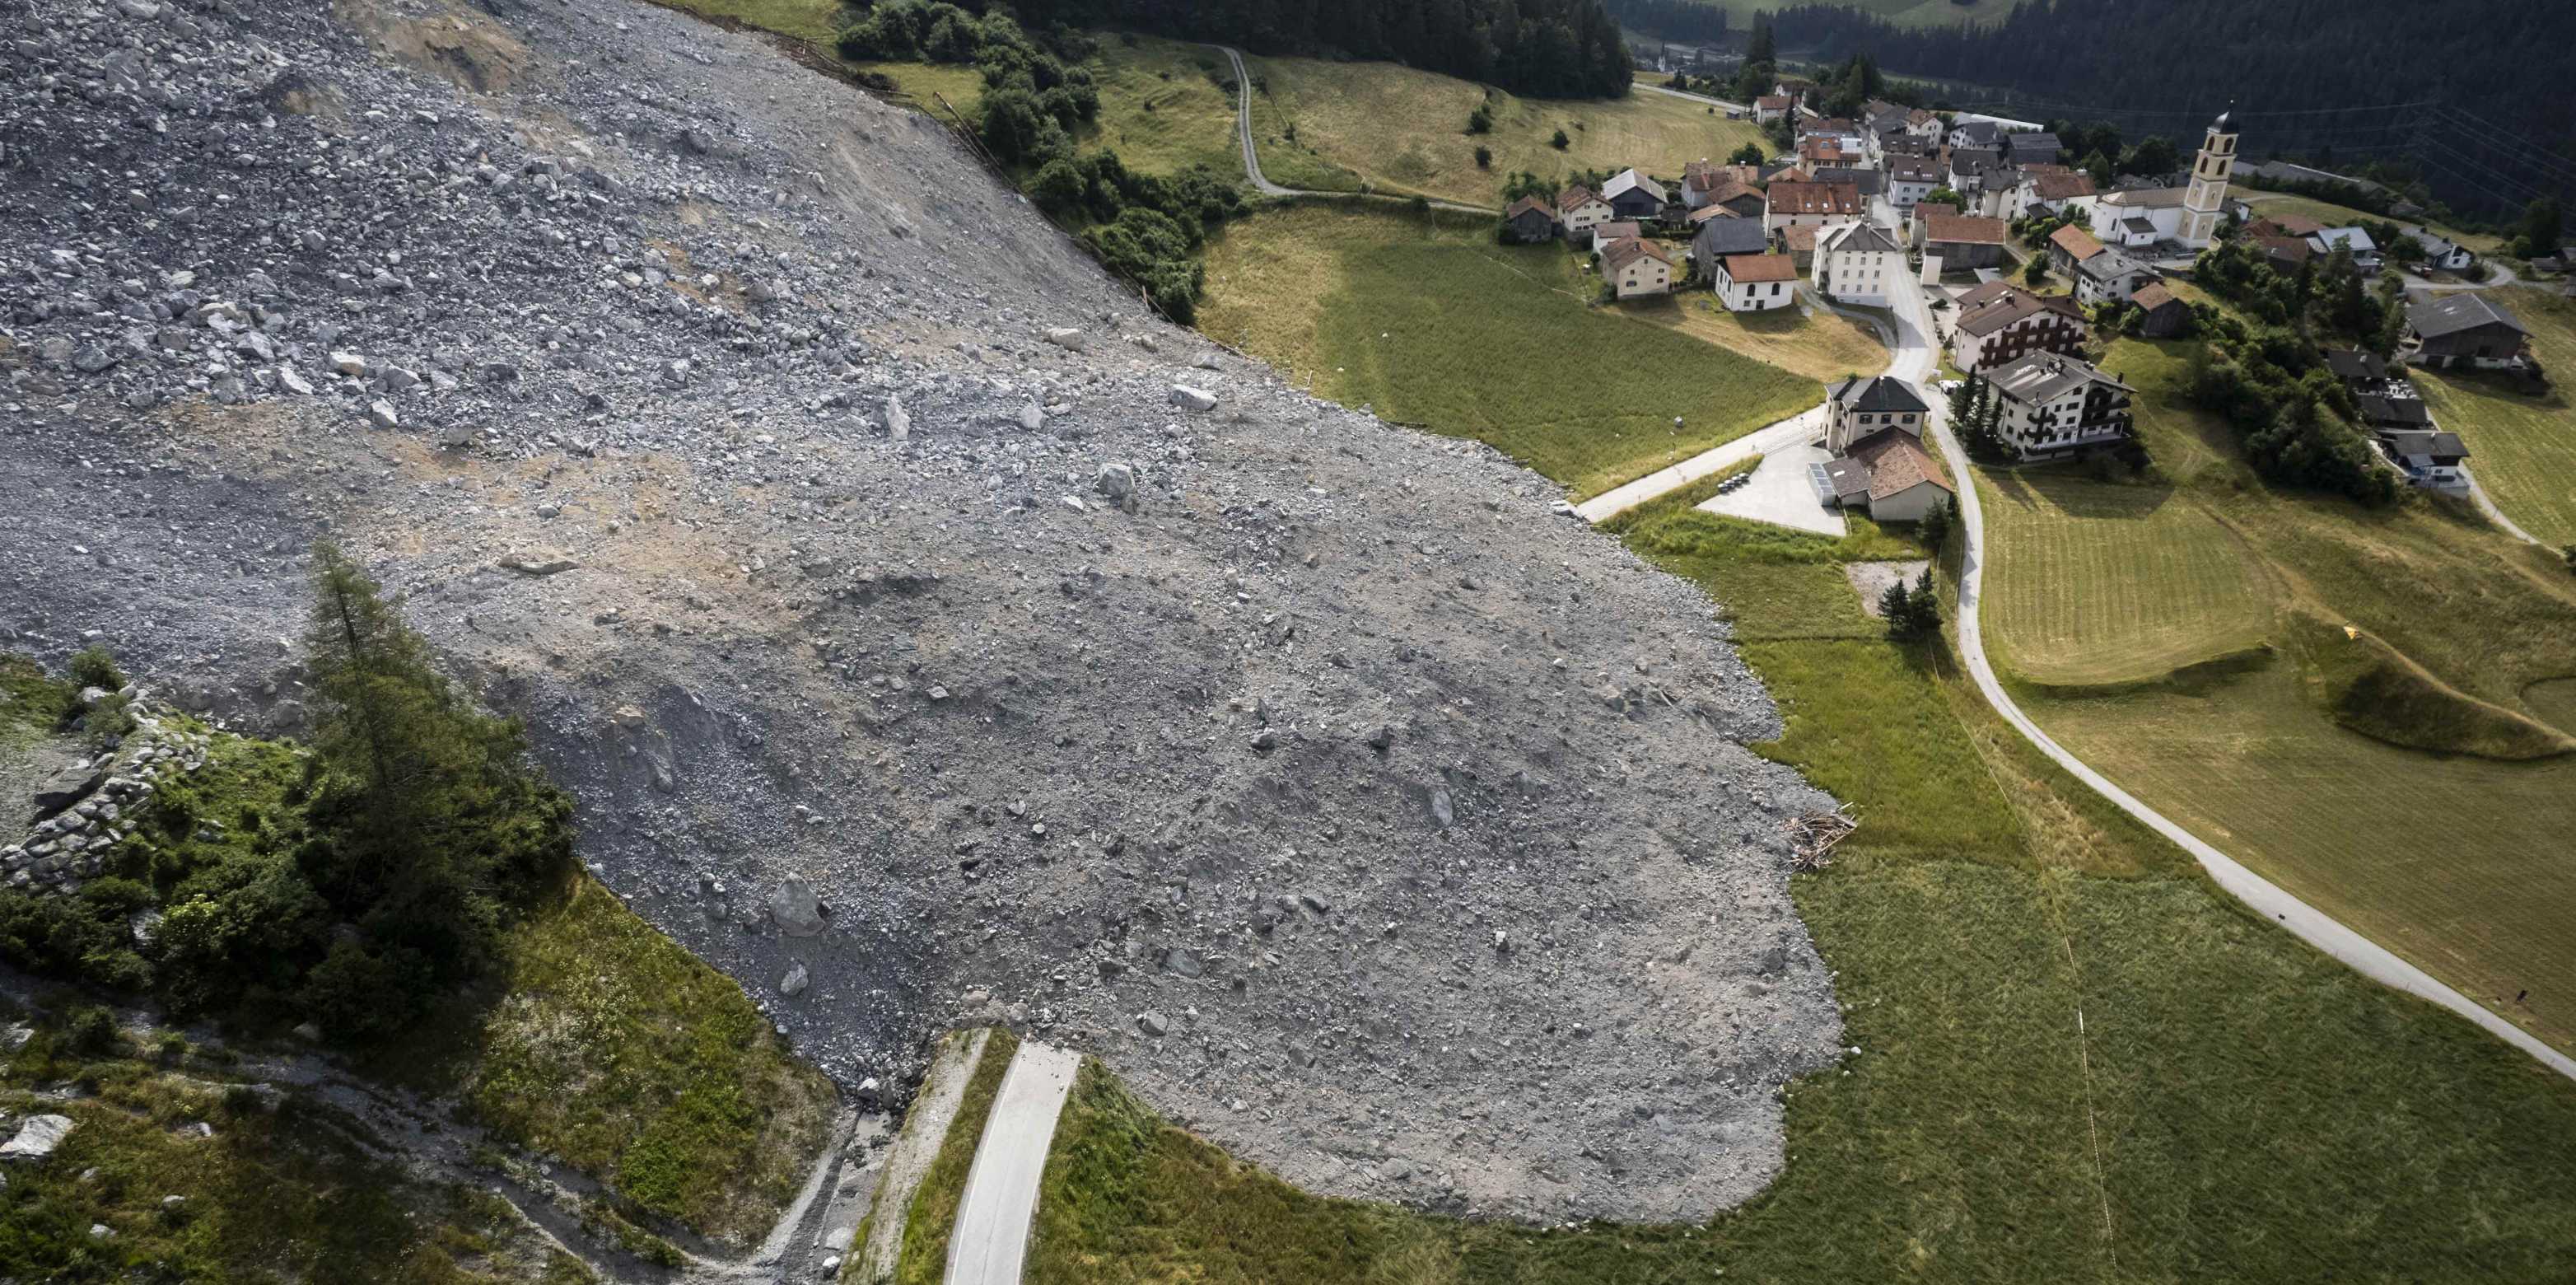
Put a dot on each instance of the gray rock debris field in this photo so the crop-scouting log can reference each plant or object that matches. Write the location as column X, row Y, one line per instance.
column 832, row 520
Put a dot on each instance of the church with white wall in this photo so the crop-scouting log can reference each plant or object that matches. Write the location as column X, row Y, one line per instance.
column 2188, row 215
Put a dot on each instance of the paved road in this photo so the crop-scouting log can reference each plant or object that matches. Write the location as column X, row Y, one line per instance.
column 991, row 1238
column 1767, row 440
column 2310, row 924
column 2486, row 505
column 1252, row 155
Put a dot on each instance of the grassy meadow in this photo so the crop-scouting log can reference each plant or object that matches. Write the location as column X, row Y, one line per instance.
column 1426, row 319
column 2333, row 215
column 2522, row 447
column 1824, row 347
column 1401, row 130
column 2099, row 584
column 2307, row 760
column 923, row 1259
column 2079, row 1062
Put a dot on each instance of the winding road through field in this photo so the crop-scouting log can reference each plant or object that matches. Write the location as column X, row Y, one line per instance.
column 2309, row 924
column 1252, row 155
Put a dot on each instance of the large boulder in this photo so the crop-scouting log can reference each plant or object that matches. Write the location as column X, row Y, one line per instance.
column 798, row 912
column 37, row 1138
column 67, row 786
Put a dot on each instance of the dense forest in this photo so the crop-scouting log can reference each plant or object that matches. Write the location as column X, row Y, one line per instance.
column 1688, row 21
column 1546, row 48
column 2502, row 60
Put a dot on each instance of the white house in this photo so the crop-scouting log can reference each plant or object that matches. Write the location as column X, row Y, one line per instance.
column 2054, row 404
column 2365, row 252
column 1579, row 208
column 1858, row 406
column 2428, row 457
column 1771, row 107
column 1637, row 266
column 1754, row 282
column 1910, row 179
column 2442, row 252
column 1858, row 263
column 2112, row 274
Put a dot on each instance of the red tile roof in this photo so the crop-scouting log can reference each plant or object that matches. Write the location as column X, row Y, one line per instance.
column 1965, row 229
column 1760, row 267
column 2076, row 242
column 1627, row 250
column 1814, row 198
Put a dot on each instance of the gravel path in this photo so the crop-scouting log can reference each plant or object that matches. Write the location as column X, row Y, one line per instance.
column 925, row 1128
column 992, row 1232
column 1252, row 154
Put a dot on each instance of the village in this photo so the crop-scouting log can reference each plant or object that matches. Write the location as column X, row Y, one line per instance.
column 2025, row 264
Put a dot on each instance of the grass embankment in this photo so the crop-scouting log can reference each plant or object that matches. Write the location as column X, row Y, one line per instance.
column 614, row 1049
column 2522, row 446
column 1429, row 321
column 1401, row 130
column 2229, row 1105
column 924, row 1257
column 597, row 1041
column 197, row 1177
column 2311, row 766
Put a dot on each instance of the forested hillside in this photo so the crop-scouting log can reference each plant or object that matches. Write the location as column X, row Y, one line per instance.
column 2502, row 60
column 1545, row 48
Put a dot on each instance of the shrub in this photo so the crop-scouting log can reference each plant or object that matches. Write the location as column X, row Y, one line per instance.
column 1151, row 249
column 1481, row 120
column 1484, row 157
column 1059, row 187
column 1560, row 142
column 92, row 1032
column 95, row 666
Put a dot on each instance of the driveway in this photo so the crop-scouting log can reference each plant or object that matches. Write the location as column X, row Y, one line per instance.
column 2309, row 924
column 1780, row 492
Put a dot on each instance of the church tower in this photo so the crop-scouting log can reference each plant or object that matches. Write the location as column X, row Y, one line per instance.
column 2203, row 204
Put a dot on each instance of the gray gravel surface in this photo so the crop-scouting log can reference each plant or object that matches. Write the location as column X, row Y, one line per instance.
column 912, row 644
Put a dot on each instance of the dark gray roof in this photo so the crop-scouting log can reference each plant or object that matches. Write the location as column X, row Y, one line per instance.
column 1976, row 132
column 2453, row 313
column 2392, row 410
column 1868, row 181
column 2137, row 223
column 2354, row 363
column 1859, row 237
column 2035, row 145
column 2039, row 376
column 2110, row 264
column 2425, row 441
column 1722, row 236
column 1876, row 393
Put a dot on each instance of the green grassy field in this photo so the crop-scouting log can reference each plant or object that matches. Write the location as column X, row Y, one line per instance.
column 2522, row 447
column 2463, row 633
column 2079, row 1062
column 1824, row 347
column 1402, row 130
column 1430, row 322
column 2333, row 215
column 2099, row 584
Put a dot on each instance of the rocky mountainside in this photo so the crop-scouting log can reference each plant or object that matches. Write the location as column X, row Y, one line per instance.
column 929, row 635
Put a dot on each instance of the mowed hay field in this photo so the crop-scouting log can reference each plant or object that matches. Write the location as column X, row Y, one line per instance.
column 2077, row 1062
column 1426, row 319
column 2453, row 860
column 1402, row 130
column 2522, row 448
column 2333, row 215
column 1824, row 347
column 2092, row 583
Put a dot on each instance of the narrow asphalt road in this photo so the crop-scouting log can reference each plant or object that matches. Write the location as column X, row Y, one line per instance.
column 1252, row 155
column 990, row 1240
column 2307, row 922
column 1696, row 98
column 1806, row 424
column 2487, row 505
